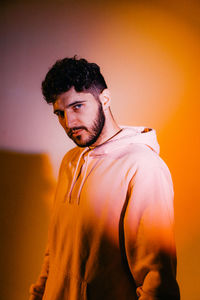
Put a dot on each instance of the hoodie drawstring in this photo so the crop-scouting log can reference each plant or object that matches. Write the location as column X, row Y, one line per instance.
column 83, row 179
column 68, row 196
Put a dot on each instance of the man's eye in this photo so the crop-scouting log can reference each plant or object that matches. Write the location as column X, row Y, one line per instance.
column 77, row 106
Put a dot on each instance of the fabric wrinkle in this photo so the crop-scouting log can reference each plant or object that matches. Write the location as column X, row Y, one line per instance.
column 83, row 179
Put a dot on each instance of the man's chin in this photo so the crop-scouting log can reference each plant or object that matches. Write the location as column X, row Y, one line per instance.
column 79, row 142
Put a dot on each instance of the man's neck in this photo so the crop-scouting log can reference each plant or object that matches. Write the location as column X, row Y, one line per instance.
column 110, row 129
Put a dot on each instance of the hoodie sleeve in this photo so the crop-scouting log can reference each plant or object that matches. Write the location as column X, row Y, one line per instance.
column 149, row 232
column 37, row 289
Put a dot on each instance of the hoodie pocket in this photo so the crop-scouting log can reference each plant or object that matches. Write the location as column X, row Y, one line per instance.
column 74, row 289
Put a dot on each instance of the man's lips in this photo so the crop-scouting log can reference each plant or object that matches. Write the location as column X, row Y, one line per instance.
column 76, row 131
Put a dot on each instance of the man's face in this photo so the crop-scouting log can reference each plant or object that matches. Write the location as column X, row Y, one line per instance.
column 81, row 116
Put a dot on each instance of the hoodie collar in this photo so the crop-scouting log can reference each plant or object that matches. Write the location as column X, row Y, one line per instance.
column 128, row 135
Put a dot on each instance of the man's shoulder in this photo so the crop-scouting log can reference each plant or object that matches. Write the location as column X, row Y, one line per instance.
column 71, row 155
column 145, row 158
column 141, row 153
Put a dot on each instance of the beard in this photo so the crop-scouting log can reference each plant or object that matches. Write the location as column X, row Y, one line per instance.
column 94, row 132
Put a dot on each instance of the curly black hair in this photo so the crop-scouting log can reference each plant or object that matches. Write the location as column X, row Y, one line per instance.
column 72, row 72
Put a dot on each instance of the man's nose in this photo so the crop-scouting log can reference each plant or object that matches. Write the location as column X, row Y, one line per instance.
column 69, row 120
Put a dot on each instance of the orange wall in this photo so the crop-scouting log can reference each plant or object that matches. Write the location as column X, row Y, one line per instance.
column 149, row 54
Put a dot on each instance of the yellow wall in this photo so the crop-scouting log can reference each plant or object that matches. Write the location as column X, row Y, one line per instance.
column 149, row 54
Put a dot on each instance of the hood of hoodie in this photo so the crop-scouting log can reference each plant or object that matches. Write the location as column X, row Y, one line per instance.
column 128, row 135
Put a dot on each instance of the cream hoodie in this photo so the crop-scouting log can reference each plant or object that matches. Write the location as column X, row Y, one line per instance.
column 111, row 233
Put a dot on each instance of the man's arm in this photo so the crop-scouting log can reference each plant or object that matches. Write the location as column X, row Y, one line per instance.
column 37, row 289
column 149, row 235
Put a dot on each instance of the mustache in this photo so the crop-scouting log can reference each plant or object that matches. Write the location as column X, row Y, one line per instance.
column 71, row 130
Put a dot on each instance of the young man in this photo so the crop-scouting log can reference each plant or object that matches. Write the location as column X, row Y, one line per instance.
column 111, row 232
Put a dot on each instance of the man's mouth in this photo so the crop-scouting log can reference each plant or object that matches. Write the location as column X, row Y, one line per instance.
column 76, row 131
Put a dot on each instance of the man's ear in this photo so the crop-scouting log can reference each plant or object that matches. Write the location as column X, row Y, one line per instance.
column 105, row 98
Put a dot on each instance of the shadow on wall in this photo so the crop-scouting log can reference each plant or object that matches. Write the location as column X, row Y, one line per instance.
column 27, row 187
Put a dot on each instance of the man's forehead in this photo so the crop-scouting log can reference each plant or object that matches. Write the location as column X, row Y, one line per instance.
column 66, row 96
